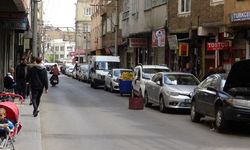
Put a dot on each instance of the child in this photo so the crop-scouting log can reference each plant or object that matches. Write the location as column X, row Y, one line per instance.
column 5, row 124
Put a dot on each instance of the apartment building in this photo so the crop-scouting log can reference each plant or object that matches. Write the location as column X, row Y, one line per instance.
column 143, row 25
column 58, row 43
column 60, row 50
column 237, row 21
column 196, row 24
column 83, row 29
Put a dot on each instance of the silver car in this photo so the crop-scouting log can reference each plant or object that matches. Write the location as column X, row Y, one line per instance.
column 170, row 90
column 112, row 79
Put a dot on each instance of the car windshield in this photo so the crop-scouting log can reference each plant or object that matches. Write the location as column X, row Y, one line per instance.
column 154, row 70
column 103, row 65
column 180, row 79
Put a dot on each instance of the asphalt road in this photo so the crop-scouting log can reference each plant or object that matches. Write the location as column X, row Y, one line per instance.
column 75, row 116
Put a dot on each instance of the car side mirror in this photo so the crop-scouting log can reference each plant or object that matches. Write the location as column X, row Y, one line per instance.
column 109, row 75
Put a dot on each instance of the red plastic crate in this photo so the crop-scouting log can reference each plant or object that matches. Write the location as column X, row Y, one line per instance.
column 136, row 103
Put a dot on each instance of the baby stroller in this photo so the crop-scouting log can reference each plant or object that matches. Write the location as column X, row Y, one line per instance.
column 12, row 113
column 6, row 96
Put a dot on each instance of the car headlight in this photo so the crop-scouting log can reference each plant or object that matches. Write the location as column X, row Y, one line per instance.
column 238, row 102
column 173, row 93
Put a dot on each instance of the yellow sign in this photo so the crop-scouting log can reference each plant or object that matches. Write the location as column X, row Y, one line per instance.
column 183, row 49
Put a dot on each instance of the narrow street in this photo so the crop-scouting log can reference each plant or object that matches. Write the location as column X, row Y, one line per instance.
column 75, row 116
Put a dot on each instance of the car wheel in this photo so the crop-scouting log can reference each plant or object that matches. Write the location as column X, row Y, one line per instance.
column 195, row 117
column 146, row 102
column 105, row 87
column 220, row 122
column 162, row 105
column 111, row 88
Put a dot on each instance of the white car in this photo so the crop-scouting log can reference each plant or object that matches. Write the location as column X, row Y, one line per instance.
column 143, row 73
column 112, row 79
column 170, row 90
column 83, row 73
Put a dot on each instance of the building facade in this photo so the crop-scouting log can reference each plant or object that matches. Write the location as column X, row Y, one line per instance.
column 237, row 21
column 144, row 27
column 14, row 21
column 195, row 23
column 83, row 28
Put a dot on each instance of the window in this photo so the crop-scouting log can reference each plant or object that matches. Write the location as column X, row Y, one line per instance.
column 216, row 2
column 184, row 6
column 87, row 11
column 134, row 7
column 147, row 4
column 57, row 48
column 86, row 28
column 69, row 48
column 62, row 48
column 61, row 56
column 158, row 2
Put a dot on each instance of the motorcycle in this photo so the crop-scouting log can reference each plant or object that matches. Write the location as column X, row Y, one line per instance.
column 54, row 80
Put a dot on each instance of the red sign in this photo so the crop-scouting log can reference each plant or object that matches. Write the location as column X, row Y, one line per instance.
column 137, row 42
column 217, row 46
column 183, row 49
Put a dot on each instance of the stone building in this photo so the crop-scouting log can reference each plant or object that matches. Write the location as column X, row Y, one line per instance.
column 195, row 23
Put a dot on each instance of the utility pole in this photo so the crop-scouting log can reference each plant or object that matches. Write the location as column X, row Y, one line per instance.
column 116, row 27
column 34, row 39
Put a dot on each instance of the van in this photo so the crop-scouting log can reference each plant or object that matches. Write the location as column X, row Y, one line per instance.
column 143, row 73
column 99, row 67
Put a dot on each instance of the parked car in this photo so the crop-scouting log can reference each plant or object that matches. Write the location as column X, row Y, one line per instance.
column 112, row 79
column 143, row 73
column 225, row 98
column 170, row 90
column 83, row 73
column 69, row 70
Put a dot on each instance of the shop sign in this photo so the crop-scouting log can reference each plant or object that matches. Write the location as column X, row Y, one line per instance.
column 240, row 16
column 137, row 42
column 217, row 46
column 173, row 42
column 158, row 38
column 183, row 49
column 18, row 24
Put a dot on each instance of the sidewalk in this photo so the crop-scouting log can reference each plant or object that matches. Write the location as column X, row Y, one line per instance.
column 29, row 137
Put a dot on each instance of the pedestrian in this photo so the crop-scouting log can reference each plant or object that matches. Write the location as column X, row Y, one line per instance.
column 38, row 80
column 21, row 73
column 30, row 65
column 9, row 81
column 189, row 68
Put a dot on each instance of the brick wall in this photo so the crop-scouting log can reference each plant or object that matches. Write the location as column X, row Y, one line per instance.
column 201, row 13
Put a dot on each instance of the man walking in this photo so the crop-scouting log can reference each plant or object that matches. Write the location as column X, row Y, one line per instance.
column 37, row 76
column 21, row 73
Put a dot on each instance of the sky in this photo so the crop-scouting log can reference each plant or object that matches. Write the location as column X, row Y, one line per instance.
column 59, row 13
